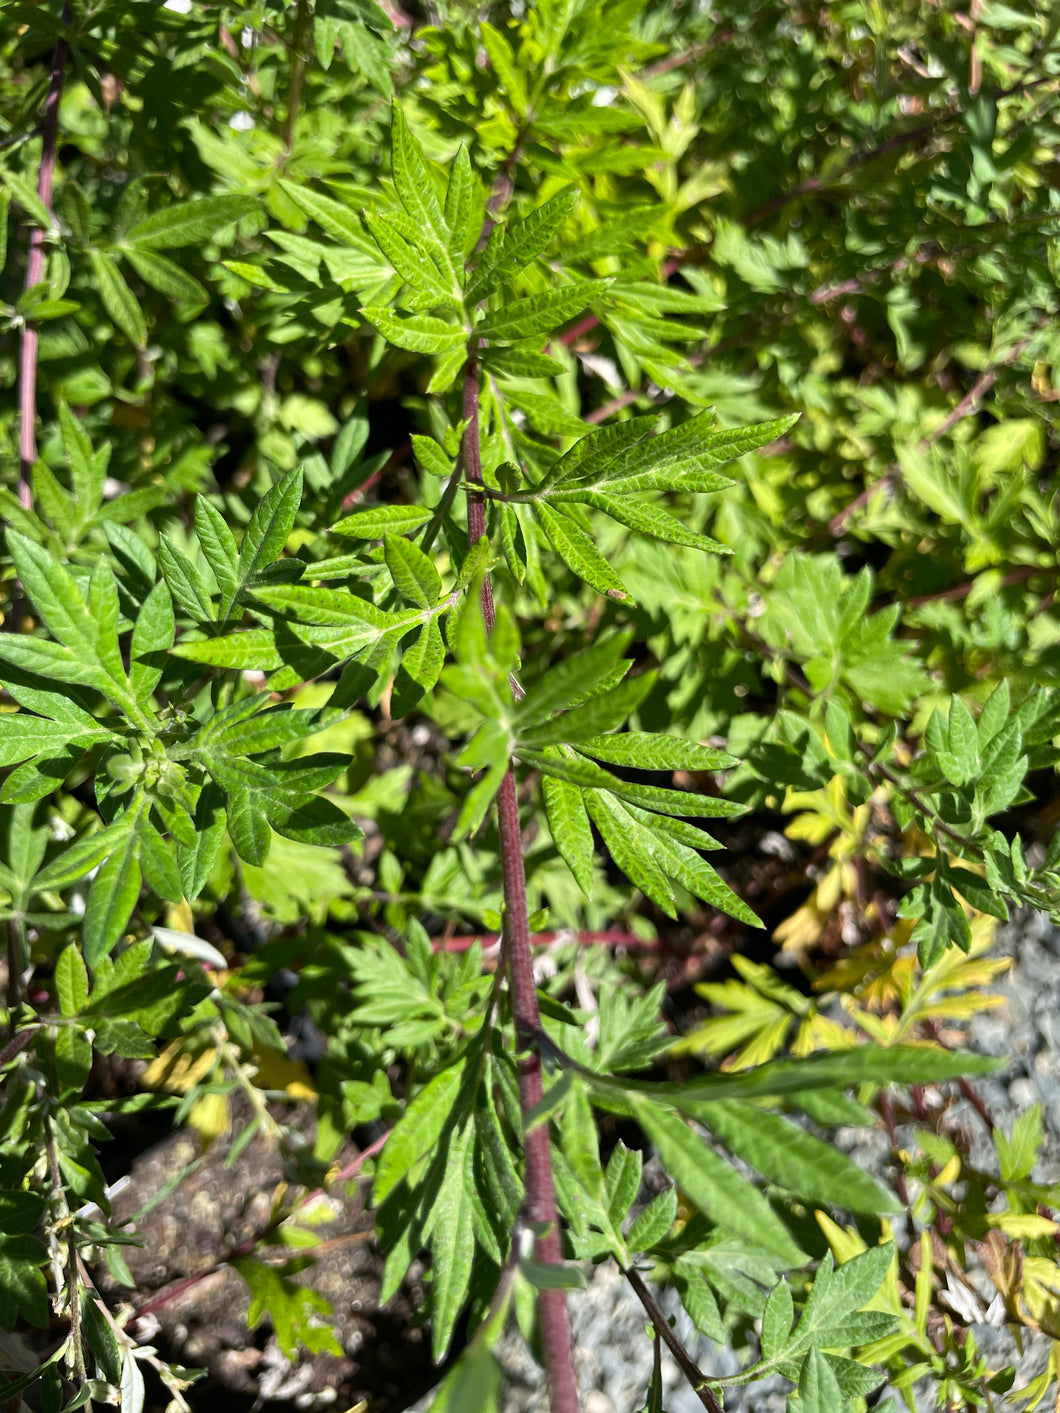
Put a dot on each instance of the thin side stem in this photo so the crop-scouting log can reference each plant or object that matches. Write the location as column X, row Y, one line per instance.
column 540, row 1207
column 27, row 361
column 664, row 1330
column 20, row 1041
column 63, row 1223
column 15, row 953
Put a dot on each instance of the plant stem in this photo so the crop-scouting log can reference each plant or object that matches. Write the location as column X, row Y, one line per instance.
column 664, row 1331
column 302, row 23
column 540, row 1188
column 63, row 1221
column 27, row 362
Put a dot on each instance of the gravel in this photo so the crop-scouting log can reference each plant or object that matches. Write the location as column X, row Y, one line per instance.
column 614, row 1355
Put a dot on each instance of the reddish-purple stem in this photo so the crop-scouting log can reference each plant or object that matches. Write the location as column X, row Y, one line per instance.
column 540, row 1189
column 18, row 1042
column 27, row 383
column 609, row 937
column 665, row 1331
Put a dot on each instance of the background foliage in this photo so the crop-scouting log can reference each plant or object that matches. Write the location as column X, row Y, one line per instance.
column 253, row 321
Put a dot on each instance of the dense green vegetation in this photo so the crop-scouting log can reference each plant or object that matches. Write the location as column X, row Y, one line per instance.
column 422, row 516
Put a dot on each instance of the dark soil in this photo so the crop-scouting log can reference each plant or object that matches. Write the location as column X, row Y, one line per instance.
column 192, row 1304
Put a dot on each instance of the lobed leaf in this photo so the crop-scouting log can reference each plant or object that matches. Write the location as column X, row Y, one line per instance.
column 579, row 553
column 538, row 313
column 190, row 222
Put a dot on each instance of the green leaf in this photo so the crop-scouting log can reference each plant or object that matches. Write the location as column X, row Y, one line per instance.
column 248, row 727
column 685, row 866
column 424, row 660
column 247, row 826
column 615, row 238
column 267, row 533
column 196, row 860
column 185, row 581
column 603, row 712
column 633, row 849
column 382, row 520
column 159, row 865
column 417, row 1131
column 538, row 313
column 646, row 750
column 23, row 1289
column 104, row 610
column 190, row 222
column 458, row 216
column 655, row 1222
column 41, row 658
column 294, row 1311
column 727, row 1199
column 833, row 1317
column 515, row 361
column 622, row 1181
column 777, row 1319
column 55, row 595
column 509, row 74
column 26, row 196
column 795, row 1159
column 253, row 650
column 413, row 181
column 521, row 241
column 83, row 855
column 112, row 897
column 581, row 1145
column 23, row 736
column 574, row 680
column 699, row 1301
column 545, row 414
column 71, row 981
column 962, row 739
column 166, row 276
column 493, row 755
column 648, row 520
column 330, row 215
column 1017, row 1155
column 580, row 555
column 995, row 714
column 598, row 448
column 395, row 236
column 475, row 1382
column 818, row 1390
column 152, row 638
column 580, row 771
column 414, row 575
column 568, row 823
column 314, row 821
column 779, row 1079
column 118, row 299
column 338, row 607
column 419, row 333
column 87, row 468
column 452, row 1239
column 218, row 545
column 681, row 458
